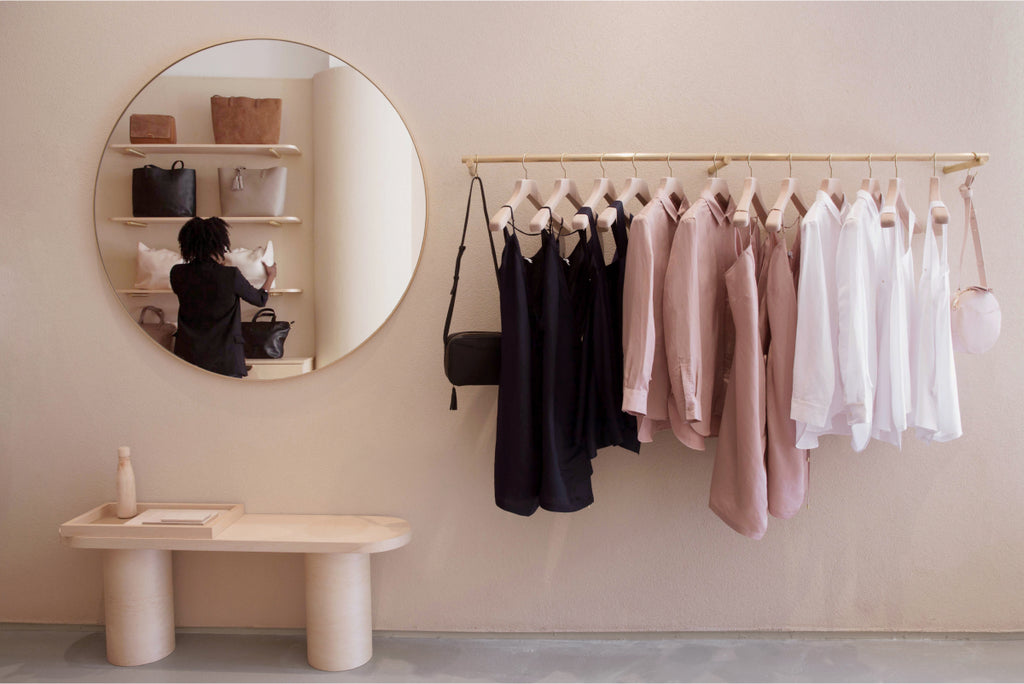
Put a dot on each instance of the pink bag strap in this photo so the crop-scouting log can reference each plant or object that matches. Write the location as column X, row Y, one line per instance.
column 971, row 225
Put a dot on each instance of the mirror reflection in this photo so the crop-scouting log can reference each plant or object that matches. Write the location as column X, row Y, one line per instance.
column 335, row 199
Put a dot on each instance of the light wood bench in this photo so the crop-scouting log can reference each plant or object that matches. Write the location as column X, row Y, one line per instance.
column 139, row 595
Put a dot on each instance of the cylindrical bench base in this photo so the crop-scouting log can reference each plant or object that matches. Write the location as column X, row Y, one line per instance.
column 339, row 629
column 138, row 598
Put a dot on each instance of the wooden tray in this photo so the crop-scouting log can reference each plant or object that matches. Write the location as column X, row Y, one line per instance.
column 102, row 521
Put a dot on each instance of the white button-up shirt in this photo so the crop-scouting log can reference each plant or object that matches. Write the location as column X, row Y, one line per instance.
column 817, row 404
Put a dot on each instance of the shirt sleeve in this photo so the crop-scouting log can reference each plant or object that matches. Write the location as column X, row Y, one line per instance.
column 682, row 296
column 638, row 319
column 245, row 290
column 854, row 288
column 814, row 371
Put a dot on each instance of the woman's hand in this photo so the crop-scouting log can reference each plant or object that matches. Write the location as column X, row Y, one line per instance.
column 271, row 274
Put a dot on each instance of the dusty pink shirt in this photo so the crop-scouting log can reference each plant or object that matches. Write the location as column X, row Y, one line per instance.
column 698, row 324
column 787, row 465
column 645, row 382
column 739, row 487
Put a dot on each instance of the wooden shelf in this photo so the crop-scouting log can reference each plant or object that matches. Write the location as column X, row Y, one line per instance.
column 145, row 293
column 143, row 221
column 274, row 369
column 186, row 148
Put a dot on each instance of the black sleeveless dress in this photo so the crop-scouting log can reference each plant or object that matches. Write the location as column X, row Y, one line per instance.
column 602, row 422
column 537, row 459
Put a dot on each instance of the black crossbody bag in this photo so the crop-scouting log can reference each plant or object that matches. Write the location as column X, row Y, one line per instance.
column 471, row 357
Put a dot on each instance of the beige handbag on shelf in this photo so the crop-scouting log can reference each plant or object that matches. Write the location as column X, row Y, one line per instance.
column 975, row 317
column 252, row 192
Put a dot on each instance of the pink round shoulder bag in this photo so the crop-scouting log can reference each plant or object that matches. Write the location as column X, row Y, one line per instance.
column 975, row 316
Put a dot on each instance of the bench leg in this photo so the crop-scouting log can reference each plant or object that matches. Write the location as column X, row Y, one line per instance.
column 339, row 630
column 138, row 600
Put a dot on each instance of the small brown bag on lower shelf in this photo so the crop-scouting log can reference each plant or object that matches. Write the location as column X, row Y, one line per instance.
column 246, row 121
column 155, row 129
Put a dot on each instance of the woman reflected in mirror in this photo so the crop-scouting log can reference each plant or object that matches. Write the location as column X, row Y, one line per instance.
column 209, row 298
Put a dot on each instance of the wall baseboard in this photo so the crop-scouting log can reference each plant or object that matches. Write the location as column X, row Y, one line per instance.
column 808, row 635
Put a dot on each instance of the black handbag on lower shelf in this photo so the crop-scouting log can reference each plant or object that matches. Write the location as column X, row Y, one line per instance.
column 265, row 339
column 472, row 357
column 164, row 192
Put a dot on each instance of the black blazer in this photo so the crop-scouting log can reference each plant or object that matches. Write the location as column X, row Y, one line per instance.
column 210, row 315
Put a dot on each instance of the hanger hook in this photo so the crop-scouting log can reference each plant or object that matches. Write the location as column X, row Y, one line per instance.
column 790, row 164
column 749, row 167
column 934, row 168
column 896, row 163
column 830, row 174
column 668, row 163
column 526, row 174
column 714, row 165
column 604, row 174
column 635, row 172
column 473, row 167
column 561, row 162
column 870, row 172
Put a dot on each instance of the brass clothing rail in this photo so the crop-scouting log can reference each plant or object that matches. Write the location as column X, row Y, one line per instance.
column 962, row 160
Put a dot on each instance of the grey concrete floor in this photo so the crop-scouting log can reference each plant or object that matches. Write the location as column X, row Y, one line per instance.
column 77, row 655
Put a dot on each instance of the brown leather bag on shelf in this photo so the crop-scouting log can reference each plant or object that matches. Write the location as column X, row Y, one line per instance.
column 245, row 120
column 154, row 129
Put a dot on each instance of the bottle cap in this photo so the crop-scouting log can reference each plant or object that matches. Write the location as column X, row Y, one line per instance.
column 123, row 452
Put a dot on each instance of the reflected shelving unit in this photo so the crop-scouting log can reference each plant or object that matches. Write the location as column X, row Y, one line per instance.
column 144, row 221
column 132, row 292
column 142, row 151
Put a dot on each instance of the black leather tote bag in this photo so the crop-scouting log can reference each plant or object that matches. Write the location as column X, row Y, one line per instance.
column 265, row 339
column 472, row 357
column 164, row 192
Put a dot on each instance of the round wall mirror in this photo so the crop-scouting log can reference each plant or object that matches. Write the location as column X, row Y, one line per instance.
column 344, row 221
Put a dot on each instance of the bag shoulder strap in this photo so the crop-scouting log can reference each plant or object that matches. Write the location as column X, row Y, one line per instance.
column 971, row 226
column 462, row 248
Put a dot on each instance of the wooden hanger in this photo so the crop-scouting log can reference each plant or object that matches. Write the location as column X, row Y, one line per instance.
column 940, row 215
column 749, row 196
column 831, row 187
column 673, row 189
column 896, row 201
column 787, row 194
column 525, row 189
column 871, row 186
column 565, row 188
column 602, row 189
column 635, row 188
column 718, row 187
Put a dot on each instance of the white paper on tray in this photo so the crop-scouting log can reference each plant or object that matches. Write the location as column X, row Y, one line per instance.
column 174, row 516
